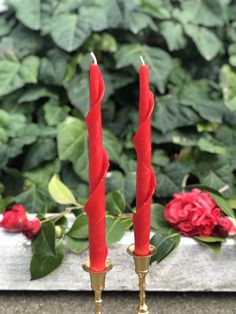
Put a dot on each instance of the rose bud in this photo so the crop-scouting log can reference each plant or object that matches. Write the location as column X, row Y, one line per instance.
column 58, row 231
column 223, row 227
column 13, row 219
column 31, row 228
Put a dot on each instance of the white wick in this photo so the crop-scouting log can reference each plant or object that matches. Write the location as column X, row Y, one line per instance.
column 94, row 57
column 142, row 60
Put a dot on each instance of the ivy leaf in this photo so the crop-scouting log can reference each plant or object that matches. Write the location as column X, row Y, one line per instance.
column 114, row 230
column 160, row 62
column 206, row 41
column 158, row 222
column 69, row 31
column 41, row 265
column 227, row 77
column 79, row 229
column 34, row 198
column 204, row 12
column 73, row 145
column 54, row 113
column 112, row 146
column 78, row 93
column 53, row 67
column 165, row 243
column 174, row 35
column 15, row 74
column 60, row 192
column 76, row 246
column 170, row 114
column 138, row 21
column 115, row 180
column 196, row 95
column 42, row 150
column 170, row 179
column 115, row 203
column 28, row 12
column 44, row 243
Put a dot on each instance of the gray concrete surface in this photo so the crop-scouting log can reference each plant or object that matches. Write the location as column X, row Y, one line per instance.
column 116, row 303
column 191, row 267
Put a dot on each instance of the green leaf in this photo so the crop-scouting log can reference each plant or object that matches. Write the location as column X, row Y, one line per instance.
column 60, row 192
column 73, row 145
column 115, row 180
column 69, row 31
column 115, row 203
column 196, row 95
column 76, row 245
column 137, row 21
column 215, row 246
column 206, row 41
column 79, row 229
column 41, row 265
column 227, row 79
column 44, row 243
column 112, row 146
column 224, row 205
column 158, row 222
column 78, row 93
column 127, row 222
column 54, row 113
column 173, row 34
column 28, row 12
column 42, row 150
column 160, row 62
column 53, row 67
column 170, row 179
column 211, row 239
column 170, row 114
column 205, row 12
column 114, row 230
column 15, row 74
column 34, row 198
column 165, row 243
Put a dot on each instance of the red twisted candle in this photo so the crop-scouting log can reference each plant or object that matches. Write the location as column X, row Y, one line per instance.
column 146, row 181
column 98, row 165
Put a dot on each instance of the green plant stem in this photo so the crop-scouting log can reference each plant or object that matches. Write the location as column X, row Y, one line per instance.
column 62, row 214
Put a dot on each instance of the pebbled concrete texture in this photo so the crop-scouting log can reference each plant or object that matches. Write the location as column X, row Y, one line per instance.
column 116, row 303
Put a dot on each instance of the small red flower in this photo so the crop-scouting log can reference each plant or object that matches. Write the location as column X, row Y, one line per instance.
column 13, row 219
column 193, row 213
column 31, row 228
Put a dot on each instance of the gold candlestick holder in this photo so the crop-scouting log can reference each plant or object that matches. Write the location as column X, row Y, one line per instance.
column 97, row 280
column 142, row 264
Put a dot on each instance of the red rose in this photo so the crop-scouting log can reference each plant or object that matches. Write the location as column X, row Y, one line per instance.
column 13, row 219
column 31, row 228
column 223, row 227
column 193, row 213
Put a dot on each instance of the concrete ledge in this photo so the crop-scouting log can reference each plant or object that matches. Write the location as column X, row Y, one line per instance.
column 191, row 267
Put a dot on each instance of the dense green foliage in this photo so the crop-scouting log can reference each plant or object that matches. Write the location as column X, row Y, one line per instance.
column 44, row 96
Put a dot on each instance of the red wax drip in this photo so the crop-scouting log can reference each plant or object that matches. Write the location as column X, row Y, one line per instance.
column 98, row 166
column 146, row 180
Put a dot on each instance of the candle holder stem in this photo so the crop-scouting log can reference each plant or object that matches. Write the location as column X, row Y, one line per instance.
column 142, row 264
column 97, row 280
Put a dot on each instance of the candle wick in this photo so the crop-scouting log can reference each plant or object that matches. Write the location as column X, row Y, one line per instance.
column 142, row 60
column 94, row 57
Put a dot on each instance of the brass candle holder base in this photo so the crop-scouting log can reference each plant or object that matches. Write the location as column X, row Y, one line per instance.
column 97, row 280
column 142, row 264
